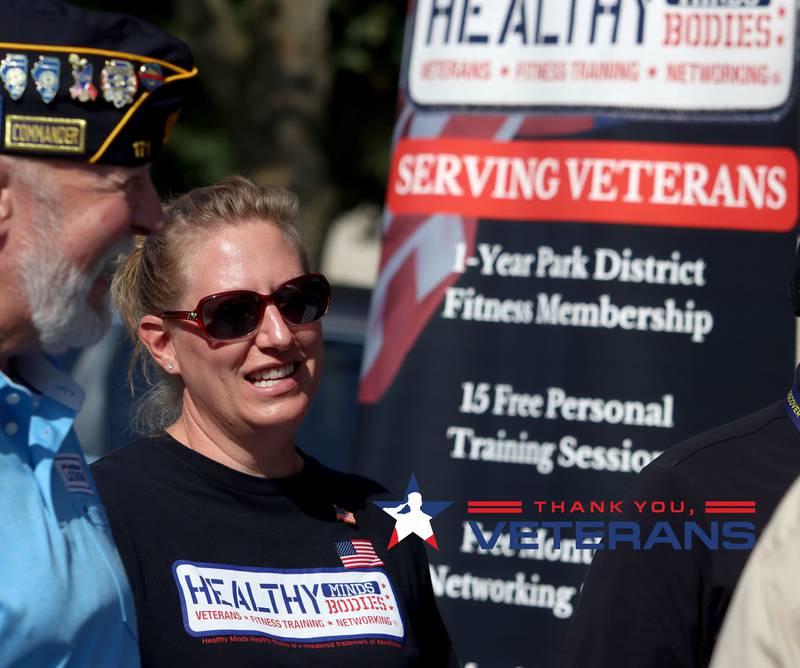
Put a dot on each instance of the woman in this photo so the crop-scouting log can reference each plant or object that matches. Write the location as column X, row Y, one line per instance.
column 241, row 550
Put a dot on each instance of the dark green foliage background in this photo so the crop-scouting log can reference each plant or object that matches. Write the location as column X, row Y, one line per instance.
column 299, row 93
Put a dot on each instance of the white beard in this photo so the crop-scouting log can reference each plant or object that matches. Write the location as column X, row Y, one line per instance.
column 57, row 292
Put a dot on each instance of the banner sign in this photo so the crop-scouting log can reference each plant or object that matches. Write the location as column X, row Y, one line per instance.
column 589, row 230
column 619, row 54
column 645, row 183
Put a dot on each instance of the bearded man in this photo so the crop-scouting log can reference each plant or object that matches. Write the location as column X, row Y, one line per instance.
column 86, row 100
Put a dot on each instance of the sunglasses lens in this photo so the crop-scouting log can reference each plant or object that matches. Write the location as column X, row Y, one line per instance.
column 231, row 316
column 303, row 300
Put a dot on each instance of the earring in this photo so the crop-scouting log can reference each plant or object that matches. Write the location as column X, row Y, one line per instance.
column 171, row 367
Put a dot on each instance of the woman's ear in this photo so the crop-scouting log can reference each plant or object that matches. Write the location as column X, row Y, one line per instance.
column 158, row 342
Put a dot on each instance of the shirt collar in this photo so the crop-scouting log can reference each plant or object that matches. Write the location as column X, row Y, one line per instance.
column 41, row 375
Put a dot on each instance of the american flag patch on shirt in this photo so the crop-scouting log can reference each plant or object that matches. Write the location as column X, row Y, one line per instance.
column 357, row 553
column 344, row 515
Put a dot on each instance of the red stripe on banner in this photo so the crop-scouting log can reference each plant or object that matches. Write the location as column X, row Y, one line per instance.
column 470, row 125
column 731, row 509
column 403, row 320
column 494, row 507
column 401, row 229
column 404, row 317
column 548, row 126
column 494, row 504
column 731, row 503
column 640, row 183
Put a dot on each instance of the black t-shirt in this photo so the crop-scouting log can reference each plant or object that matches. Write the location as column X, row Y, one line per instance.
column 663, row 608
column 229, row 569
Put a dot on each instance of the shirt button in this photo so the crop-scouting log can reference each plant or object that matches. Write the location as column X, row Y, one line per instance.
column 12, row 398
column 11, row 428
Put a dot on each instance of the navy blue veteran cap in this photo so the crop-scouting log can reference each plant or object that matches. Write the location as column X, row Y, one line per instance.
column 91, row 86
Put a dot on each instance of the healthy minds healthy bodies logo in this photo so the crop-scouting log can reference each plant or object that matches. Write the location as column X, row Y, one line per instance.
column 649, row 55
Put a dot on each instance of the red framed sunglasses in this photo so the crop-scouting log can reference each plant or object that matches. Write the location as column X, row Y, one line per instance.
column 227, row 316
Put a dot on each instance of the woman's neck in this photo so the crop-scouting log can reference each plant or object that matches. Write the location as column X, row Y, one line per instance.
column 267, row 454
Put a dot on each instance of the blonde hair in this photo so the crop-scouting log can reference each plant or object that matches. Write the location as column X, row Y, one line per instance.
column 154, row 277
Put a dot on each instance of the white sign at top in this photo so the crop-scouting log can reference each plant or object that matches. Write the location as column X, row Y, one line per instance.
column 645, row 55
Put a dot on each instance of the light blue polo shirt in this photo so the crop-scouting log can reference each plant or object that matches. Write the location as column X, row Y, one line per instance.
column 64, row 597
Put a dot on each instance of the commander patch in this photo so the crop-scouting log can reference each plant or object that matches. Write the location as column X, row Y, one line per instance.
column 46, row 134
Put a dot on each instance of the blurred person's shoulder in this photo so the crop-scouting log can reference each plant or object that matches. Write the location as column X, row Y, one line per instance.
column 768, row 425
column 756, row 455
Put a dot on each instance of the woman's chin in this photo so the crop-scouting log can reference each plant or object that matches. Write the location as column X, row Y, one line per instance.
column 283, row 410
